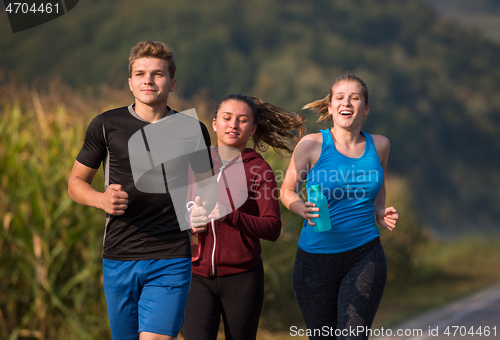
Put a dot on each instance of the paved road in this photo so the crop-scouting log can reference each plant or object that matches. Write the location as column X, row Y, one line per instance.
column 479, row 313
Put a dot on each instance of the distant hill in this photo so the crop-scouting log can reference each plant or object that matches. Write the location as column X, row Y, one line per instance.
column 483, row 15
column 434, row 85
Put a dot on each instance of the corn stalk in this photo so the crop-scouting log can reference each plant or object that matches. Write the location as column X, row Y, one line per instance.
column 50, row 247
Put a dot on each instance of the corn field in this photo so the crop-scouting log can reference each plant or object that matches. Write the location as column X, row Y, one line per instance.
column 50, row 247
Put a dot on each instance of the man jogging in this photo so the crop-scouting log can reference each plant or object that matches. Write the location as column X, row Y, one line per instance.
column 146, row 252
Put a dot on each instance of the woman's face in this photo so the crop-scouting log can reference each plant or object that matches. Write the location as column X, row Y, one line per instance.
column 234, row 124
column 347, row 106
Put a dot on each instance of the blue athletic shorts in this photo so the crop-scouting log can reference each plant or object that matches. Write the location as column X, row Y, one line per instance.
column 146, row 296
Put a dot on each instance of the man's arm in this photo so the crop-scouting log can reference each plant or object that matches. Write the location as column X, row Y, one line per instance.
column 113, row 201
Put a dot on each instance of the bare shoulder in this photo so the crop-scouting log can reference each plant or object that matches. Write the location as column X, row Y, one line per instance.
column 381, row 142
column 316, row 137
column 382, row 145
column 308, row 150
column 311, row 140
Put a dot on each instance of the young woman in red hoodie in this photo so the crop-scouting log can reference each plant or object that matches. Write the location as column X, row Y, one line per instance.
column 228, row 276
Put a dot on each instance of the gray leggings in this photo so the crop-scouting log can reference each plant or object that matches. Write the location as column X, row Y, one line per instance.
column 338, row 294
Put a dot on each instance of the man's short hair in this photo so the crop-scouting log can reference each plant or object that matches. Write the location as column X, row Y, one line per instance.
column 153, row 49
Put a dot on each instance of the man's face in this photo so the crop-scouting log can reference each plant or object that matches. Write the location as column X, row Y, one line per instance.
column 150, row 82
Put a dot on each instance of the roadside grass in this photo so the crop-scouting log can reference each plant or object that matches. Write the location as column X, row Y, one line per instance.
column 448, row 271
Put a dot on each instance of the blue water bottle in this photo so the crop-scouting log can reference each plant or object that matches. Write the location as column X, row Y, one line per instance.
column 322, row 223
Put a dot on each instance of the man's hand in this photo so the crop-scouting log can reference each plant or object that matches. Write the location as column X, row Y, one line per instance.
column 114, row 200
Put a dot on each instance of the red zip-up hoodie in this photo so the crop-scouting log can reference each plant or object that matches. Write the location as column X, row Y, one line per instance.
column 233, row 245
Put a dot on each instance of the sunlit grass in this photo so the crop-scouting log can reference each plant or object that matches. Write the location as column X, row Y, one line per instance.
column 449, row 270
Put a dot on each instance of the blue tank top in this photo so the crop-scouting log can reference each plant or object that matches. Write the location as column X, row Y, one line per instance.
column 350, row 186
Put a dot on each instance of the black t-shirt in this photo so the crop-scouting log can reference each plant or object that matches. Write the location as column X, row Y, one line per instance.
column 131, row 150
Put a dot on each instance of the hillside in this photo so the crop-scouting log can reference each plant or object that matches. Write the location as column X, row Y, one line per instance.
column 433, row 84
column 483, row 15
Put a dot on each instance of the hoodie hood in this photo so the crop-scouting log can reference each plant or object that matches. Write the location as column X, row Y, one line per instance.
column 247, row 156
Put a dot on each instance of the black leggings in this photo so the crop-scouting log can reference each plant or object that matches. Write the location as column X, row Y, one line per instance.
column 237, row 297
column 337, row 293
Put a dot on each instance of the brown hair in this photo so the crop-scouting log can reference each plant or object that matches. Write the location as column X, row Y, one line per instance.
column 321, row 106
column 153, row 49
column 273, row 123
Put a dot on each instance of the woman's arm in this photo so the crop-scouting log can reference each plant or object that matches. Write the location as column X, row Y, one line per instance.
column 304, row 157
column 386, row 217
column 265, row 192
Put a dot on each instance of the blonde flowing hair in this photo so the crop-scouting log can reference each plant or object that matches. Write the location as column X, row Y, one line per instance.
column 321, row 105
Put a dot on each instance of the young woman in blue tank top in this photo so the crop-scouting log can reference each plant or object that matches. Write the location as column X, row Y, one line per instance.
column 339, row 275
